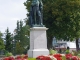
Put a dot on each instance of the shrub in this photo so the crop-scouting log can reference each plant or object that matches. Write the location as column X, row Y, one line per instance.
column 52, row 52
column 67, row 51
column 8, row 54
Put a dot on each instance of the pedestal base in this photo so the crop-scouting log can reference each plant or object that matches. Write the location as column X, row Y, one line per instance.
column 37, row 52
column 38, row 42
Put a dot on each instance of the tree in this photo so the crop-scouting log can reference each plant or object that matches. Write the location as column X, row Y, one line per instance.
column 21, row 37
column 19, row 49
column 2, row 46
column 61, row 17
column 64, row 17
column 8, row 38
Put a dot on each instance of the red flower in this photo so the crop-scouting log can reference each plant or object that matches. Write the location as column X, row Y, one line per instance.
column 48, row 58
column 25, row 56
column 22, row 58
column 69, row 55
column 40, row 57
column 11, row 58
column 18, row 58
column 75, row 58
column 58, row 56
column 43, row 58
column 6, row 58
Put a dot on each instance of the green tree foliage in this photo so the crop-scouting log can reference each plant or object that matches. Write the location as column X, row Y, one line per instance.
column 62, row 17
column 19, row 49
column 2, row 46
column 21, row 37
column 8, row 38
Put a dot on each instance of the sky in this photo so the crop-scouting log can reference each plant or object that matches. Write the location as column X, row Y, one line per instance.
column 10, row 12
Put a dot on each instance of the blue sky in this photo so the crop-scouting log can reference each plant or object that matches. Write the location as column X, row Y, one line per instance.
column 10, row 12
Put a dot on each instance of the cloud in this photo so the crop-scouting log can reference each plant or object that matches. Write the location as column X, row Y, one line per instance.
column 10, row 12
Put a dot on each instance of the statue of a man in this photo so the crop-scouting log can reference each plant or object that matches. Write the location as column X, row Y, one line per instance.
column 36, row 15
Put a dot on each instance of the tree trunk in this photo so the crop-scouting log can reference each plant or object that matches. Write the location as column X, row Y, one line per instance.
column 77, row 45
column 49, row 43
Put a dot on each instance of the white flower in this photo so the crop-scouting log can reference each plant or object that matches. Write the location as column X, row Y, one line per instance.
column 53, row 58
column 63, row 54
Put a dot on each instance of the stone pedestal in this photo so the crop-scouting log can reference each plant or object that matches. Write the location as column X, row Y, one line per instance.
column 38, row 42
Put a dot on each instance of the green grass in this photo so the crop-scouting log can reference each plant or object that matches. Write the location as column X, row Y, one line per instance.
column 31, row 58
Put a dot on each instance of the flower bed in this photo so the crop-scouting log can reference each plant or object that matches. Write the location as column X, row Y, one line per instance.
column 20, row 57
column 58, row 57
column 43, row 57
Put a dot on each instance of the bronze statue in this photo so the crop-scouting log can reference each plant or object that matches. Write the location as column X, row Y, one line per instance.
column 36, row 16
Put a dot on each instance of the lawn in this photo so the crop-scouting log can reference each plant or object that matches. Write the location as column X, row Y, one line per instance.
column 31, row 58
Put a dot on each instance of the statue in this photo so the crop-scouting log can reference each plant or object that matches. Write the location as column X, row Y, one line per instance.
column 36, row 14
